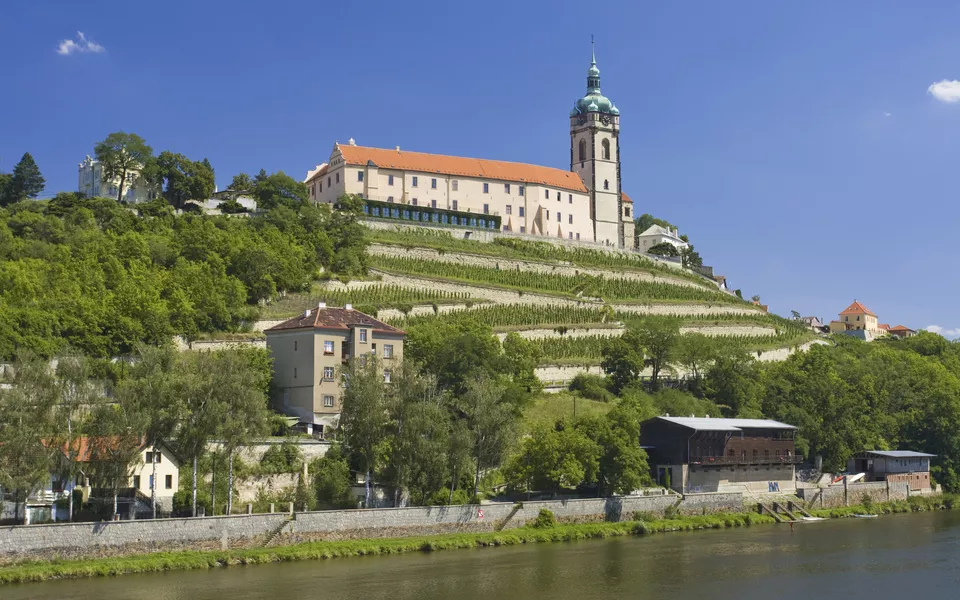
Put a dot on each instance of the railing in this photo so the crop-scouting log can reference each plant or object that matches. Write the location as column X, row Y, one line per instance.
column 792, row 459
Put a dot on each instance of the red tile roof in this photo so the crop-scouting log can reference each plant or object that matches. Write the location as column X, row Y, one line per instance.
column 334, row 318
column 626, row 198
column 858, row 309
column 901, row 328
column 465, row 167
column 883, row 326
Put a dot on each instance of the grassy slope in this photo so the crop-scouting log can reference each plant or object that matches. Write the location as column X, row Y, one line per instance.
column 548, row 408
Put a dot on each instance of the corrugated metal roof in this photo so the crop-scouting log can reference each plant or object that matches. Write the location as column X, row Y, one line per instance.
column 717, row 424
column 900, row 454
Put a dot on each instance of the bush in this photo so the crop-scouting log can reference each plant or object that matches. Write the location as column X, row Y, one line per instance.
column 283, row 458
column 544, row 520
column 592, row 387
column 643, row 515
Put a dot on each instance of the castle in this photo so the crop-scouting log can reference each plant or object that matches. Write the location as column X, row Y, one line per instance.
column 583, row 204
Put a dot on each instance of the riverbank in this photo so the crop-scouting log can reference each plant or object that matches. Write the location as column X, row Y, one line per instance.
column 206, row 559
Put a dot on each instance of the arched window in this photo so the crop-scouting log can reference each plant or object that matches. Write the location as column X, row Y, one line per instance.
column 606, row 184
column 583, row 150
column 606, row 149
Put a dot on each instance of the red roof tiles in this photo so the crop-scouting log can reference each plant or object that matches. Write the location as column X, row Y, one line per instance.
column 626, row 198
column 858, row 309
column 466, row 167
column 334, row 318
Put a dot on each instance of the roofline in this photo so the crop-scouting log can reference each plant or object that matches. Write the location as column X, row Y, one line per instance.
column 275, row 329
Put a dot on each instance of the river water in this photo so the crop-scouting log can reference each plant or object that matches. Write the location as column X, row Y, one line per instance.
column 892, row 557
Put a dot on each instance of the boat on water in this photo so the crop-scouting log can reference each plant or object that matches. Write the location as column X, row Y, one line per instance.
column 858, row 516
column 812, row 519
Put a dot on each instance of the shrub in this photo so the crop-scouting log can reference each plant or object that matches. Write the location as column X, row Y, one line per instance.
column 282, row 458
column 544, row 520
column 593, row 387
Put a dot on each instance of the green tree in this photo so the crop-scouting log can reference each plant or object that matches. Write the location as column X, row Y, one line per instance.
column 657, row 338
column 664, row 249
column 278, row 189
column 556, row 458
column 331, row 480
column 622, row 464
column 695, row 352
column 690, row 258
column 7, row 195
column 491, row 422
column 184, row 179
column 27, row 182
column 522, row 359
column 622, row 362
column 646, row 221
column 115, row 444
column 241, row 184
column 734, row 383
column 365, row 418
column 120, row 154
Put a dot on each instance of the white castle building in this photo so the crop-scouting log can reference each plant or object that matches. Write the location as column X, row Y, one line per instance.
column 584, row 203
column 92, row 183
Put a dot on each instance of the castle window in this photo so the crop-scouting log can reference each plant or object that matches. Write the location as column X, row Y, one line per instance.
column 583, row 150
column 389, row 179
column 523, row 229
column 606, row 184
column 570, row 235
column 521, row 211
column 570, row 218
column 558, row 196
column 548, row 215
column 414, row 202
column 486, row 209
column 359, row 175
column 506, row 188
column 414, row 181
column 454, row 185
column 578, row 236
column 546, row 194
column 338, row 177
column 570, row 199
column 433, row 183
column 486, row 188
column 433, row 204
column 509, row 209
column 328, row 182
column 454, row 205
column 521, row 190
column 606, row 149
column 626, row 211
column 390, row 199
column 559, row 217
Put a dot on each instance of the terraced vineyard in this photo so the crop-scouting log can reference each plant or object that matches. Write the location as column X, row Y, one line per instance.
column 609, row 289
column 369, row 298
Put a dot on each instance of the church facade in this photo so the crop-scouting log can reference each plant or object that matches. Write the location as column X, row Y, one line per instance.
column 583, row 204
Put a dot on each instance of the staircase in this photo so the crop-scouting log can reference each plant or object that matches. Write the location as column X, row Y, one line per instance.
column 275, row 532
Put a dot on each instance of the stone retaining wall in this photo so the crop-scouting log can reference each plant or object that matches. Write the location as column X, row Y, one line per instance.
column 835, row 496
column 99, row 539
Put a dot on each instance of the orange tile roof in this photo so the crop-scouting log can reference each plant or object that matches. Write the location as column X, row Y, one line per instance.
column 858, row 309
column 626, row 198
column 883, row 326
column 465, row 167
column 900, row 328
column 334, row 318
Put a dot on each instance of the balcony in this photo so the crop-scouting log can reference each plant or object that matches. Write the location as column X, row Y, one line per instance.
column 707, row 461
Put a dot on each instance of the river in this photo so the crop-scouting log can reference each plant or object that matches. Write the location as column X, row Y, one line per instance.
column 892, row 557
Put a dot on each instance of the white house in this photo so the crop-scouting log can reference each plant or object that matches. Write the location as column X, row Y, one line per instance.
column 655, row 234
column 91, row 183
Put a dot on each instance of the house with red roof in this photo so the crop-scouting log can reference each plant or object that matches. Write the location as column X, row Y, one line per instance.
column 584, row 203
column 857, row 317
column 309, row 352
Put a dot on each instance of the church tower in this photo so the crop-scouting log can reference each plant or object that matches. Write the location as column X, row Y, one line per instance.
column 595, row 156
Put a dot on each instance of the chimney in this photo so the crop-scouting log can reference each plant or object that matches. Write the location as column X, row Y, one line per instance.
column 352, row 142
column 398, row 148
column 348, row 306
column 321, row 305
column 306, row 313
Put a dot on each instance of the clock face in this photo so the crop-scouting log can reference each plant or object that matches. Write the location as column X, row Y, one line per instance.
column 605, row 119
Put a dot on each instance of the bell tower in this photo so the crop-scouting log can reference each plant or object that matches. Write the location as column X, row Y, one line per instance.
column 595, row 156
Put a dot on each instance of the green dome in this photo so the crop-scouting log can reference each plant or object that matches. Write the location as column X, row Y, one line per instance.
column 594, row 101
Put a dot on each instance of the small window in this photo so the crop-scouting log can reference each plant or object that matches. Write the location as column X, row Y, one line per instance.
column 433, row 183
column 570, row 235
column 582, row 150
column 388, row 350
column 558, row 196
column 294, row 372
column 546, row 194
column 626, row 211
column 606, row 184
column 559, row 217
column 414, row 202
column 570, row 219
column 294, row 345
column 486, row 208
column 548, row 215
column 578, row 236
column 509, row 209
column 570, row 199
column 506, row 188
column 606, row 149
column 521, row 211
column 328, row 182
column 454, row 205
column 363, row 336
column 454, row 185
column 522, row 190
column 387, row 376
column 328, row 373
column 338, row 177
column 413, row 181
column 328, row 347
column 321, row 187
column 136, row 481
column 327, row 400
column 168, row 482
column 390, row 199
column 433, row 204
column 359, row 175
column 523, row 229
column 389, row 179
column 486, row 188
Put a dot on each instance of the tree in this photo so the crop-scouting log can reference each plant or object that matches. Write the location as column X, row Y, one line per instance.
column 278, row 189
column 491, row 423
column 114, row 443
column 365, row 418
column 119, row 154
column 646, row 221
column 556, row 458
column 184, row 179
column 7, row 196
column 27, row 182
column 349, row 236
column 733, row 383
column 622, row 464
column 26, row 425
column 795, row 315
column 695, row 352
column 755, row 297
column 663, row 249
column 690, row 258
column 657, row 338
column 522, row 359
column 622, row 362
column 331, row 479
column 241, row 184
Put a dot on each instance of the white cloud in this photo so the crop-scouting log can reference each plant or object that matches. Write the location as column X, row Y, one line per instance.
column 947, row 333
column 888, row 114
column 945, row 91
column 81, row 44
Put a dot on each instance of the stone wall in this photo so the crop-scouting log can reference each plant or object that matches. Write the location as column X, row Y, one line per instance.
column 101, row 539
column 835, row 496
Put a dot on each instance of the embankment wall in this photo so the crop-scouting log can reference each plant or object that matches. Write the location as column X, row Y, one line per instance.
column 238, row 531
column 835, row 496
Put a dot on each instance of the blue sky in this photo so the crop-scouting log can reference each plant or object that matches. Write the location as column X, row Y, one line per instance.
column 800, row 145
